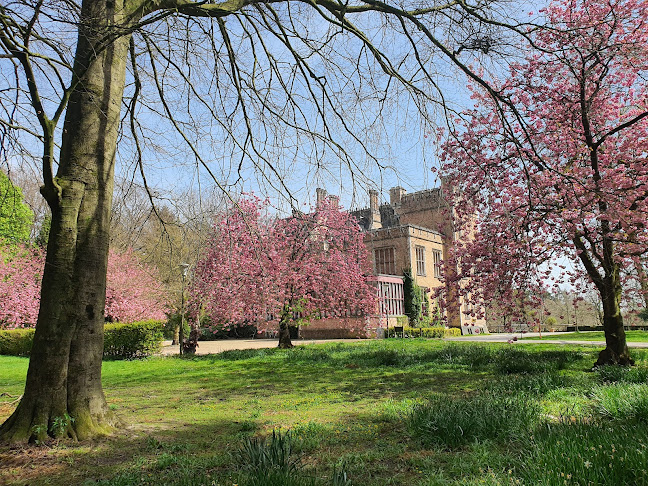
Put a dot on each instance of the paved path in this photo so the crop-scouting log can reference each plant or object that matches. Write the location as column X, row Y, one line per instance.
column 211, row 347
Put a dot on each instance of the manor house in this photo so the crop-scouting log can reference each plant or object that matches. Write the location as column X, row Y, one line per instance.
column 413, row 231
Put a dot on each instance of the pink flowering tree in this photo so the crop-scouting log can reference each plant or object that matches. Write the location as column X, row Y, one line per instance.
column 133, row 292
column 553, row 163
column 21, row 271
column 269, row 271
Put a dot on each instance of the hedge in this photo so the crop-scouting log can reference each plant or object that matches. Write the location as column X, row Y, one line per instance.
column 437, row 332
column 134, row 340
column 16, row 342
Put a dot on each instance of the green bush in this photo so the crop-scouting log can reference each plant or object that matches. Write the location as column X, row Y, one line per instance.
column 134, row 340
column 16, row 342
column 435, row 332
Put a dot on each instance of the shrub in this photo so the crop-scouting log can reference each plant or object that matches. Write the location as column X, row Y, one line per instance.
column 215, row 332
column 172, row 322
column 16, row 342
column 134, row 340
column 435, row 332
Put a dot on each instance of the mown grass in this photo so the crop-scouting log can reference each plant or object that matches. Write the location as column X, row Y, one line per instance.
column 631, row 336
column 406, row 412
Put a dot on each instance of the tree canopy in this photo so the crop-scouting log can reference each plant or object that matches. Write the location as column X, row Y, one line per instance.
column 555, row 164
column 267, row 271
column 133, row 290
column 16, row 218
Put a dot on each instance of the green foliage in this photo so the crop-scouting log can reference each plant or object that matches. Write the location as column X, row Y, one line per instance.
column 460, row 421
column 514, row 360
column 612, row 374
column 16, row 218
column 270, row 461
column 134, row 340
column 643, row 314
column 16, row 342
column 415, row 302
column 435, row 332
column 174, row 321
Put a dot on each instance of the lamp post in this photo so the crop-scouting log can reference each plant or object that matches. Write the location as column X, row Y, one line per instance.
column 184, row 268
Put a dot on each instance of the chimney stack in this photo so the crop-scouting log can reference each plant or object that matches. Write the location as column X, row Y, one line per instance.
column 395, row 195
column 374, row 209
column 321, row 195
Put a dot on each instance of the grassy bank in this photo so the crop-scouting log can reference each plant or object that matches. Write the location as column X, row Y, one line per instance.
column 406, row 412
column 631, row 336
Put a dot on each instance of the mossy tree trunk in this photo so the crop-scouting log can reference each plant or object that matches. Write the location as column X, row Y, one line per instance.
column 63, row 394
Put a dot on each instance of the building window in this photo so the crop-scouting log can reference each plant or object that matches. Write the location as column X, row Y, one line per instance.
column 436, row 261
column 385, row 261
column 420, row 260
column 391, row 297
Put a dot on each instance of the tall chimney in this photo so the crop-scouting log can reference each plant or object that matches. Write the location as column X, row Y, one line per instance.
column 321, row 195
column 396, row 194
column 374, row 208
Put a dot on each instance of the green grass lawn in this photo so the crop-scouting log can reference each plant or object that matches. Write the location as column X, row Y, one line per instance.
column 402, row 412
column 631, row 336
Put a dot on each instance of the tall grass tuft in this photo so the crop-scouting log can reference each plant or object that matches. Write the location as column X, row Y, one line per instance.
column 272, row 453
column 534, row 384
column 586, row 454
column 622, row 401
column 455, row 423
column 613, row 374
column 515, row 360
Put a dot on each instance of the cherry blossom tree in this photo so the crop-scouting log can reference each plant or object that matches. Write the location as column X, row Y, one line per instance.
column 264, row 270
column 21, row 271
column 133, row 290
column 553, row 163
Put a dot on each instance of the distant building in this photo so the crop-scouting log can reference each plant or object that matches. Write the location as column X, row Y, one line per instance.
column 415, row 231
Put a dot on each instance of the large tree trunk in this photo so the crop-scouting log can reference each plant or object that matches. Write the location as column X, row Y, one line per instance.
column 63, row 393
column 284, row 335
column 616, row 348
